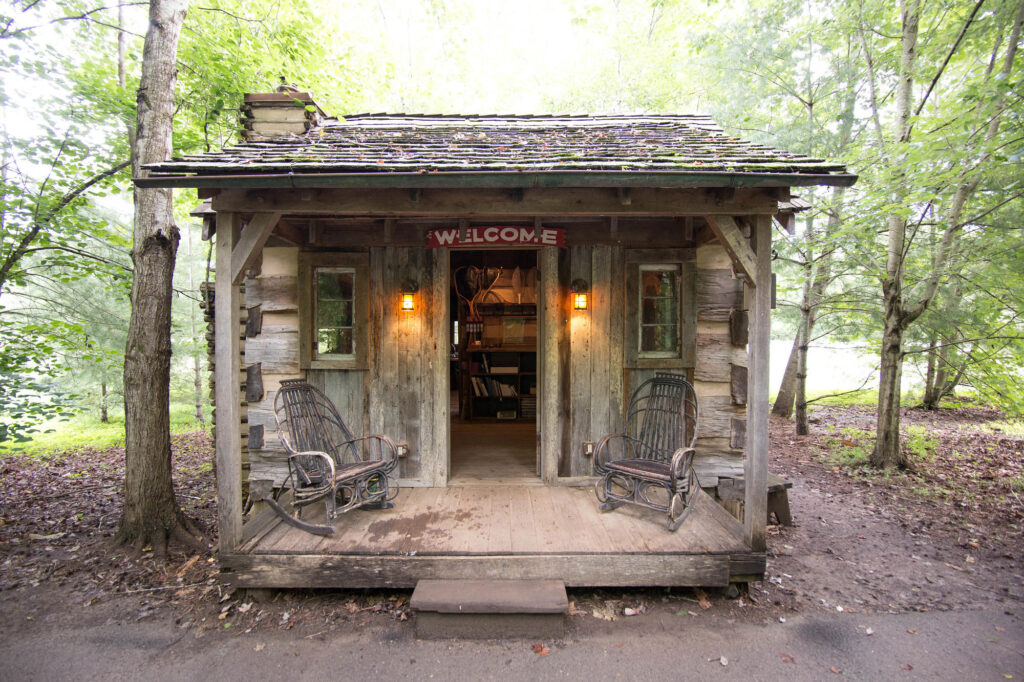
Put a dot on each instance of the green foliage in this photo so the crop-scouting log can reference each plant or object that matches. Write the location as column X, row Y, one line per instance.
column 87, row 431
column 848, row 447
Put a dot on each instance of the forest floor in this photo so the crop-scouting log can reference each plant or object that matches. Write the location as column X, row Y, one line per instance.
column 945, row 536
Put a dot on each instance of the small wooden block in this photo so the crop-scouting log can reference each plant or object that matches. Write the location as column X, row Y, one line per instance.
column 490, row 596
column 489, row 609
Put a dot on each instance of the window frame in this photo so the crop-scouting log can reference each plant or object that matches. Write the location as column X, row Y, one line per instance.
column 638, row 260
column 639, row 331
column 359, row 264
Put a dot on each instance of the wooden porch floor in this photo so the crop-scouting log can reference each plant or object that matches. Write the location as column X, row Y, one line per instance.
column 505, row 531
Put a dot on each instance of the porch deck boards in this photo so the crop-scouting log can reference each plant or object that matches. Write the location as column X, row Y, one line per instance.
column 507, row 520
column 486, row 532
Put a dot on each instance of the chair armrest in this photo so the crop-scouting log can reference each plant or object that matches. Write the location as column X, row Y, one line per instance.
column 388, row 450
column 601, row 457
column 294, row 465
column 682, row 464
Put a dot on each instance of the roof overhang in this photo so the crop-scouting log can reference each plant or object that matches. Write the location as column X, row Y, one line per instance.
column 497, row 179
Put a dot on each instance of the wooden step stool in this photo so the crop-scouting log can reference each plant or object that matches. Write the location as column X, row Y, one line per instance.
column 489, row 609
column 734, row 489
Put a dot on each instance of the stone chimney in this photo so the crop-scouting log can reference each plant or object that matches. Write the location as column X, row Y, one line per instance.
column 277, row 114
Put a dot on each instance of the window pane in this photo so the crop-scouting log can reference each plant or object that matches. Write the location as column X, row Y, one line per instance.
column 659, row 338
column 334, row 314
column 659, row 310
column 334, row 341
column 334, row 286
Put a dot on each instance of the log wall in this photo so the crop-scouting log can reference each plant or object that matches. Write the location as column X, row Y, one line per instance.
column 402, row 391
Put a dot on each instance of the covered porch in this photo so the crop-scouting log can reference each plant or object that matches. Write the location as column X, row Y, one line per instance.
column 496, row 532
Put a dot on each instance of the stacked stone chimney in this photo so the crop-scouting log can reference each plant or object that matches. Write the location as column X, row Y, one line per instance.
column 276, row 114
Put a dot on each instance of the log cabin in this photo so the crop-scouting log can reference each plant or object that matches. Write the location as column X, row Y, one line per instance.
column 494, row 320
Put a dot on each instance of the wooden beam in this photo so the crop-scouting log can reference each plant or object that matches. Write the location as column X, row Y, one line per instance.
column 575, row 570
column 227, row 330
column 249, row 247
column 755, row 468
column 549, row 379
column 440, row 289
column 462, row 203
column 730, row 236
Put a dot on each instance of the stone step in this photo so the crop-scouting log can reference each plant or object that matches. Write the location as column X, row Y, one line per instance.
column 489, row 609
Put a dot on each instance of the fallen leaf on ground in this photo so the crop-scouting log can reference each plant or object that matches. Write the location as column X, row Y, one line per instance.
column 51, row 536
column 786, row 658
column 906, row 666
column 540, row 649
column 187, row 565
column 259, row 647
column 835, row 670
column 912, row 631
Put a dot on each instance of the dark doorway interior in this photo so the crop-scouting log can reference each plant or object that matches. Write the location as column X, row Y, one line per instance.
column 494, row 366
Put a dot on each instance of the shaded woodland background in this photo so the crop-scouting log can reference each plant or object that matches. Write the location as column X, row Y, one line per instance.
column 919, row 263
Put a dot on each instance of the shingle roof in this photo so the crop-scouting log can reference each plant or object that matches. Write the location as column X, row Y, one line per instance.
column 440, row 144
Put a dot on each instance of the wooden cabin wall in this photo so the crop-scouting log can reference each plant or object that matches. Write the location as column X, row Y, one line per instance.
column 401, row 396
column 395, row 396
column 596, row 352
column 271, row 355
column 721, row 359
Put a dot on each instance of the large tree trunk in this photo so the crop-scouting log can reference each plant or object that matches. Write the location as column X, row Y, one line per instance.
column 887, row 451
column 151, row 515
column 783, row 405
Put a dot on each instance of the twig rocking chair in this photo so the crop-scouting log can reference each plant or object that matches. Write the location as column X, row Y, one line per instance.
column 650, row 464
column 326, row 462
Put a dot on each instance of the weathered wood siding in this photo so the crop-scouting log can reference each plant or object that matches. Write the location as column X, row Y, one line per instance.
column 272, row 294
column 596, row 403
column 395, row 396
column 403, row 391
column 719, row 299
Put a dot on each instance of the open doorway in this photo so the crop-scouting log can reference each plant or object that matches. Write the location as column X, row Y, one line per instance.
column 493, row 326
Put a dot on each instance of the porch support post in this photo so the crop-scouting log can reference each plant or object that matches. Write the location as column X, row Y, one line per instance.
column 550, row 389
column 437, row 471
column 227, row 374
column 755, row 467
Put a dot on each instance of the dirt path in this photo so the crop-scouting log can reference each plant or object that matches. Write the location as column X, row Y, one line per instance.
column 865, row 551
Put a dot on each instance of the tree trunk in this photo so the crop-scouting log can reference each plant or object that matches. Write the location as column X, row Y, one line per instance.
column 104, row 417
column 803, row 336
column 151, row 515
column 887, row 451
column 783, row 406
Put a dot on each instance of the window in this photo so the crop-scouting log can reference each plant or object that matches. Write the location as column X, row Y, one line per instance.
column 661, row 321
column 333, row 305
column 659, row 311
column 333, row 310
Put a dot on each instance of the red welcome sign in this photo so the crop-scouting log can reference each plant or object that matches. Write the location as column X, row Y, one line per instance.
column 496, row 235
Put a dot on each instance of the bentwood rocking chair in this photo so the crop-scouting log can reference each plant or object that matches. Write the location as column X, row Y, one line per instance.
column 326, row 462
column 650, row 464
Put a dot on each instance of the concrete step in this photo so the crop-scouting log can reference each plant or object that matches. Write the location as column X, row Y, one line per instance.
column 489, row 609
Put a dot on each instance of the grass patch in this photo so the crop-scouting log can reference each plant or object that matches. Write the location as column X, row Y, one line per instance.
column 920, row 447
column 88, row 431
column 1009, row 427
column 848, row 447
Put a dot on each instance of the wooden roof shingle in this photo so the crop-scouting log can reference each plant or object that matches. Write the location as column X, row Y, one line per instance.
column 395, row 145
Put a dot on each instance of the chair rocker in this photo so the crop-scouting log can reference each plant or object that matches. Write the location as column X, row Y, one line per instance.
column 326, row 462
column 650, row 464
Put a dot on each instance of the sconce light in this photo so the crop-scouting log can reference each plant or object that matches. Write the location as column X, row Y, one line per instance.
column 408, row 296
column 580, row 295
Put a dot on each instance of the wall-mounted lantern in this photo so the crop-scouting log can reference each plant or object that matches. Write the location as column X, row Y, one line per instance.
column 580, row 295
column 408, row 296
